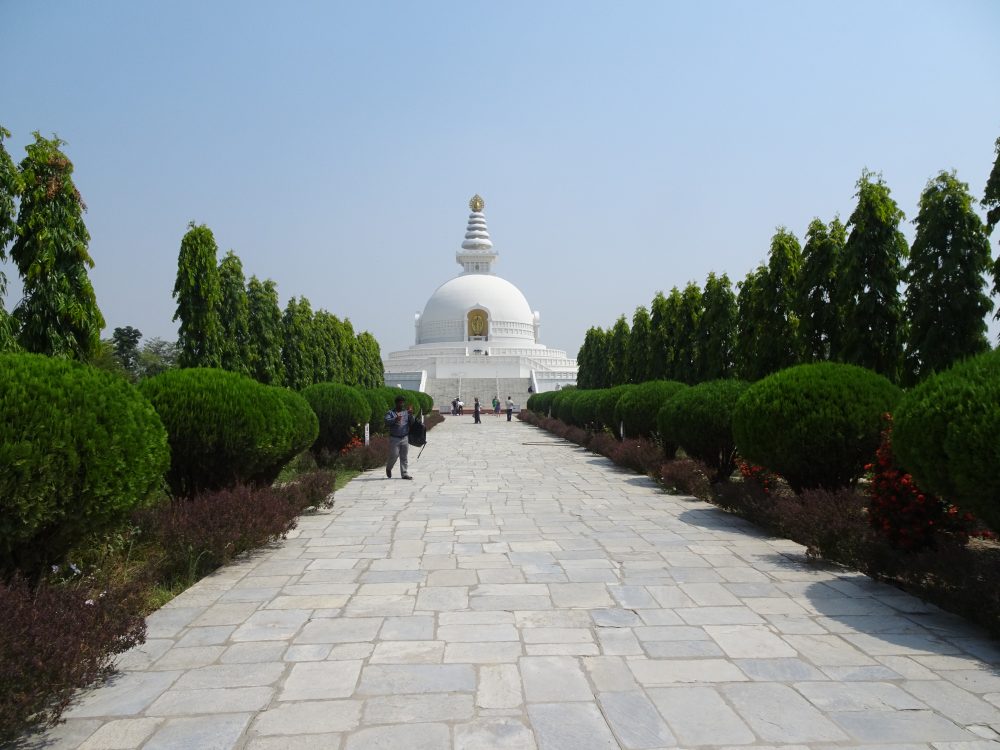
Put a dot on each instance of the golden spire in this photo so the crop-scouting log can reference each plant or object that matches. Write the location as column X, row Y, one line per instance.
column 477, row 203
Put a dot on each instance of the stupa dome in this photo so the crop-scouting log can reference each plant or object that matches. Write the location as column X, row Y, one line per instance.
column 446, row 315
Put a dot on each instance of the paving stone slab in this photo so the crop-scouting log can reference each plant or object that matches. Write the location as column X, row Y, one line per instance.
column 524, row 597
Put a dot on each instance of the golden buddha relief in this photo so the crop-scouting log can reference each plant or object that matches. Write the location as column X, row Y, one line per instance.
column 477, row 322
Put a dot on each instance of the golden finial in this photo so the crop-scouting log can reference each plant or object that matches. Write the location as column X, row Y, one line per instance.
column 477, row 203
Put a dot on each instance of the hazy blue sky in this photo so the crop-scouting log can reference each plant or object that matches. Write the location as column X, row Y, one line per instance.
column 622, row 148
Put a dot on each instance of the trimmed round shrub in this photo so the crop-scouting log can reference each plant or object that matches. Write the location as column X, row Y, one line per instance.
column 562, row 406
column 340, row 409
column 700, row 420
column 543, row 402
column 816, row 425
column 80, row 448
column 947, row 435
column 223, row 428
column 379, row 402
column 532, row 403
column 639, row 406
column 303, row 432
column 585, row 408
column 607, row 404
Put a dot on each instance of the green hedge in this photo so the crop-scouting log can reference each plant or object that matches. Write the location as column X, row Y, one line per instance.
column 607, row 406
column 540, row 403
column 304, row 431
column 79, row 449
column 340, row 410
column 584, row 408
column 816, row 425
column 562, row 404
column 946, row 433
column 223, row 428
column 700, row 420
column 639, row 406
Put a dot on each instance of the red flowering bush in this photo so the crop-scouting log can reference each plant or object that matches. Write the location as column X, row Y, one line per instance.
column 578, row 435
column 757, row 476
column 900, row 511
column 353, row 444
column 363, row 457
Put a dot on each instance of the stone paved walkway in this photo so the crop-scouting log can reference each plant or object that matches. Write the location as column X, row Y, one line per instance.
column 523, row 593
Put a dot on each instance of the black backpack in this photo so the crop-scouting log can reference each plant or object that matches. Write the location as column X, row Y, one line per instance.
column 418, row 434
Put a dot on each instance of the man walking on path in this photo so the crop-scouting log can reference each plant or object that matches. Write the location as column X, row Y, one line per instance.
column 476, row 411
column 399, row 420
column 510, row 408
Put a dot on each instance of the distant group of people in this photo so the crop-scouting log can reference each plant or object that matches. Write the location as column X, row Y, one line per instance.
column 477, row 408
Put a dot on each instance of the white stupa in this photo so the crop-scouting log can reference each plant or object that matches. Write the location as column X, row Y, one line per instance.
column 477, row 335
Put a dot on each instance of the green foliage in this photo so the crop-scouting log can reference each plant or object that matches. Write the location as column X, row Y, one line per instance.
column 584, row 407
column 638, row 366
column 58, row 313
column 751, row 315
column 199, row 295
column 304, row 431
column 818, row 313
column 607, row 406
column 223, row 428
column 639, row 406
column 946, row 435
column 340, row 409
column 380, row 401
column 946, row 304
column 10, row 189
column 562, row 405
column 371, row 369
column 157, row 356
column 264, row 336
column 297, row 352
column 617, row 352
column 768, row 324
column 716, row 333
column 125, row 343
column 234, row 316
column 542, row 402
column 868, row 279
column 700, row 420
column 817, row 425
column 79, row 449
column 592, row 360
column 661, row 318
column 684, row 338
column 991, row 195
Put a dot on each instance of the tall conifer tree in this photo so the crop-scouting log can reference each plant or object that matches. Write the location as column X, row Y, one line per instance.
column 818, row 311
column 716, row 329
column 639, row 344
column 946, row 304
column 10, row 190
column 868, row 281
column 199, row 295
column 265, row 332
column 373, row 371
column 991, row 202
column 234, row 311
column 297, row 344
column 58, row 314
column 659, row 350
column 689, row 312
column 618, row 352
column 777, row 336
column 751, row 318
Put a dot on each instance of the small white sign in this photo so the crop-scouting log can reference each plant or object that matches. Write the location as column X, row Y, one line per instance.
column 367, row 433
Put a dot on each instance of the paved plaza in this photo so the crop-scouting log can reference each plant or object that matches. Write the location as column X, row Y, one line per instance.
column 523, row 593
